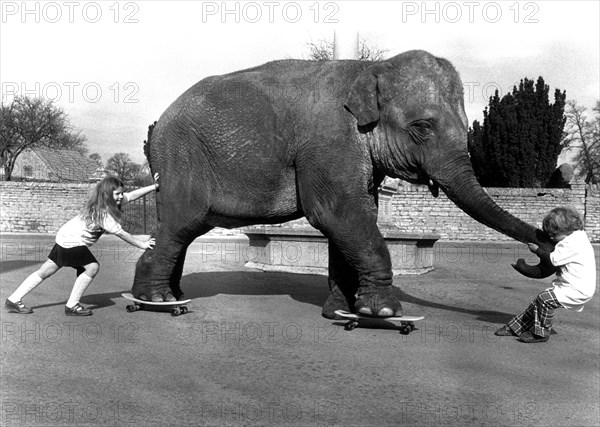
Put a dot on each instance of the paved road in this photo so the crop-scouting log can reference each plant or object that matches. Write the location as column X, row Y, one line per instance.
column 254, row 350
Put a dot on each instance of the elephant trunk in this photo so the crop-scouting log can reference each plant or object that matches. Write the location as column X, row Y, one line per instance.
column 457, row 180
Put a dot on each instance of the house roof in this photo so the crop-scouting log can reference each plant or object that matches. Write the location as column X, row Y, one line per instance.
column 67, row 165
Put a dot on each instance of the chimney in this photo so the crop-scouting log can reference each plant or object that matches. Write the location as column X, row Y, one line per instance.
column 345, row 44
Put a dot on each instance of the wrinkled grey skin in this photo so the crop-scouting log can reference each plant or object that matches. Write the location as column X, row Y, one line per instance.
column 302, row 138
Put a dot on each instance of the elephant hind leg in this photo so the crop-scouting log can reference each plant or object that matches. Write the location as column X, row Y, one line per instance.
column 158, row 271
column 177, row 273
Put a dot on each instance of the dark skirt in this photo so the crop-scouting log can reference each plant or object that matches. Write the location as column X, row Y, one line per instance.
column 75, row 257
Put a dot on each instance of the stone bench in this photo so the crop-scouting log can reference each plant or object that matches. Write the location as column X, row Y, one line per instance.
column 305, row 250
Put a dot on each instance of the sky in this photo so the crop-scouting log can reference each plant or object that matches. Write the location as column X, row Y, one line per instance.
column 115, row 66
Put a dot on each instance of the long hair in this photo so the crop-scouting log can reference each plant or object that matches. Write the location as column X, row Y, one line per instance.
column 102, row 201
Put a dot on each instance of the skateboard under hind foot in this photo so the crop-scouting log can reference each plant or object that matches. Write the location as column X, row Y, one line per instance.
column 177, row 308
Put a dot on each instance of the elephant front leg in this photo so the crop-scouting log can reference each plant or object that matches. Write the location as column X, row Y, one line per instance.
column 360, row 260
column 338, row 199
column 343, row 285
column 376, row 296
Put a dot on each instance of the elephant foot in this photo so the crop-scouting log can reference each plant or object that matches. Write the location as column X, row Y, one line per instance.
column 156, row 292
column 379, row 301
column 336, row 301
column 163, row 297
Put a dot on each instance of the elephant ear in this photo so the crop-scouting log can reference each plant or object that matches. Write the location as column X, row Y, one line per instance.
column 362, row 100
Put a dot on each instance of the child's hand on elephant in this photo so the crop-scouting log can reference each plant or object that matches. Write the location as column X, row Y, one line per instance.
column 149, row 244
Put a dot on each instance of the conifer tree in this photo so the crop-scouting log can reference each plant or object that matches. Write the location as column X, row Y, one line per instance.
column 520, row 139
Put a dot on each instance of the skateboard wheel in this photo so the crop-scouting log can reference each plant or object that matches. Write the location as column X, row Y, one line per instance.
column 131, row 308
column 407, row 327
column 350, row 326
column 184, row 309
column 176, row 311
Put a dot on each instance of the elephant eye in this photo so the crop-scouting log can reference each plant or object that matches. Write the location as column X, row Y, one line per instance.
column 422, row 125
column 420, row 130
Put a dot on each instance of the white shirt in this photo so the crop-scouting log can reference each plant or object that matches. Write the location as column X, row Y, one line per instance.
column 76, row 232
column 575, row 281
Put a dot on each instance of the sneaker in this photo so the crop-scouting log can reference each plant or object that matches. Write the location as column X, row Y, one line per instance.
column 17, row 307
column 505, row 331
column 77, row 310
column 530, row 338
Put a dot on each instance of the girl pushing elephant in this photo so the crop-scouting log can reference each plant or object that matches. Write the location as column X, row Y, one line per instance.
column 101, row 214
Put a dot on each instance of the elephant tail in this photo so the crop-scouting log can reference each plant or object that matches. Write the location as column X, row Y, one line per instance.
column 147, row 143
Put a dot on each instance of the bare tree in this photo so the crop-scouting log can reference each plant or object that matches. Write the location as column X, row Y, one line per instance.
column 123, row 167
column 96, row 157
column 582, row 133
column 30, row 122
column 322, row 50
column 70, row 140
column 370, row 53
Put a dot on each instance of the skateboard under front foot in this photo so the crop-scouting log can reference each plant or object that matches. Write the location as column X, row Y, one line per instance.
column 406, row 322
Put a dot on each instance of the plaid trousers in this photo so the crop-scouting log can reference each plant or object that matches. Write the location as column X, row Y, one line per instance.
column 537, row 318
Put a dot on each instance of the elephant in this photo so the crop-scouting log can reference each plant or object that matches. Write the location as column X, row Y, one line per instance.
column 297, row 138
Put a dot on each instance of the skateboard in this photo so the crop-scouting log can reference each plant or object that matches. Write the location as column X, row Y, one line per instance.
column 177, row 308
column 406, row 322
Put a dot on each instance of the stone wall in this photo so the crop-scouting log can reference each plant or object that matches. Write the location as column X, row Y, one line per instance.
column 43, row 207
column 592, row 212
column 413, row 209
column 39, row 207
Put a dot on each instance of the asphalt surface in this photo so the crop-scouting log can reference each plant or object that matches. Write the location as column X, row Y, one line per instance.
column 254, row 349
